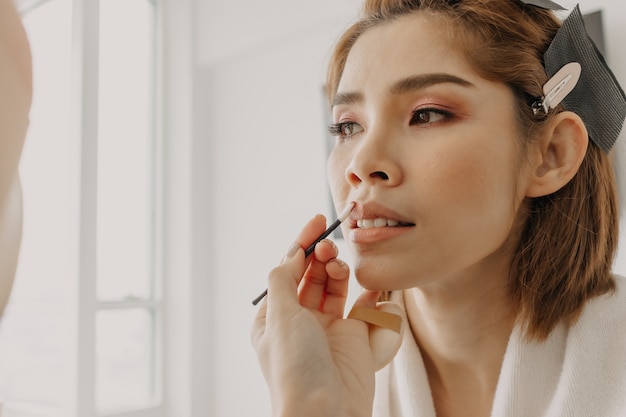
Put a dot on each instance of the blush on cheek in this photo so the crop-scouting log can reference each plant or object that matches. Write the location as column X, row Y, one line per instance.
column 453, row 172
column 469, row 189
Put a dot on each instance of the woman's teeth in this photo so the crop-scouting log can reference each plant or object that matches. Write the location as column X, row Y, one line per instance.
column 370, row 223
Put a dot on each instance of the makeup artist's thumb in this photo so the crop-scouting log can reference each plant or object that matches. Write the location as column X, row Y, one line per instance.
column 291, row 252
column 283, row 280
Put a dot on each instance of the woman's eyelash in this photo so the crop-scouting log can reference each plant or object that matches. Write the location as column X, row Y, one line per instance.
column 424, row 116
column 335, row 129
column 342, row 129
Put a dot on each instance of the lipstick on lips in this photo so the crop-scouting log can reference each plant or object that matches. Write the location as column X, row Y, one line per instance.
column 372, row 222
column 342, row 216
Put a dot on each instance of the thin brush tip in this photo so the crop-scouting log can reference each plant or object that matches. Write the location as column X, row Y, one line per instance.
column 346, row 212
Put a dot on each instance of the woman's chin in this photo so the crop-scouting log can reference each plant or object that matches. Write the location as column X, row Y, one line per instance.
column 375, row 283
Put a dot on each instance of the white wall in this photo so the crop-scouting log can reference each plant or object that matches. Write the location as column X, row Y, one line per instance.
column 259, row 99
column 260, row 131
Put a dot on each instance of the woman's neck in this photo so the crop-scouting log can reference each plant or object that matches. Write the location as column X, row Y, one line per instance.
column 462, row 327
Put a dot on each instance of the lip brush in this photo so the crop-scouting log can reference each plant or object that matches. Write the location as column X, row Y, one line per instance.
column 344, row 215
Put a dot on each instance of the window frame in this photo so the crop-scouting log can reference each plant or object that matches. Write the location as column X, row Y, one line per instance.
column 85, row 76
column 84, row 97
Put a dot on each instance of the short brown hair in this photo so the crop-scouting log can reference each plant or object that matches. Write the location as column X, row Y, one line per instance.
column 568, row 239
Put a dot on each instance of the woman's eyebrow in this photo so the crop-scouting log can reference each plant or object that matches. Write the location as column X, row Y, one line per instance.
column 405, row 85
column 422, row 81
column 347, row 98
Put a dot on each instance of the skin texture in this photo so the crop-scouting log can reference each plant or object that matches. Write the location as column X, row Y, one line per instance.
column 15, row 101
column 423, row 140
column 454, row 178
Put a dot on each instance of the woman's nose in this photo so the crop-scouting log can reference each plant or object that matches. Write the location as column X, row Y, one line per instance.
column 373, row 162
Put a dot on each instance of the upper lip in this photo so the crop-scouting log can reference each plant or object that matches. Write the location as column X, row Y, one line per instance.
column 374, row 210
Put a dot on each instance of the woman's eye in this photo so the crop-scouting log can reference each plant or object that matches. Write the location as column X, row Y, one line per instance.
column 428, row 116
column 345, row 129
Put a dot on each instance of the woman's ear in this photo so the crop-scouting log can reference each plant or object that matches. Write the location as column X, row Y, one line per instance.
column 558, row 154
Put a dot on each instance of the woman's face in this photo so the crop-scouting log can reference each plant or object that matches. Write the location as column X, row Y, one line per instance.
column 428, row 151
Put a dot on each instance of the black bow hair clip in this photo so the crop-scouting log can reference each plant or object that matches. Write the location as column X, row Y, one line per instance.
column 581, row 80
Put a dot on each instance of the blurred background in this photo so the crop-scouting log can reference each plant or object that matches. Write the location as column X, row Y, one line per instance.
column 176, row 147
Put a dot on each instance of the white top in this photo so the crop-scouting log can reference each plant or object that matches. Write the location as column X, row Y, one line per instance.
column 578, row 371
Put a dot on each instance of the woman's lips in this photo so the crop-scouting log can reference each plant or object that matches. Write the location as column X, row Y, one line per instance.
column 372, row 222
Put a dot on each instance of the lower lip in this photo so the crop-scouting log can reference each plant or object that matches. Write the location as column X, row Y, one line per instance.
column 376, row 234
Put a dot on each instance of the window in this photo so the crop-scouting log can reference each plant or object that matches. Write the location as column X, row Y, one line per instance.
column 82, row 334
column 128, row 309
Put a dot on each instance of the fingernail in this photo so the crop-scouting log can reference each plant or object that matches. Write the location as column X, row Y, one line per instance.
column 331, row 243
column 341, row 263
column 293, row 249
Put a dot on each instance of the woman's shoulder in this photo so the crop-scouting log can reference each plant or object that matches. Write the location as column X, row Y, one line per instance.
column 581, row 369
column 603, row 320
column 613, row 301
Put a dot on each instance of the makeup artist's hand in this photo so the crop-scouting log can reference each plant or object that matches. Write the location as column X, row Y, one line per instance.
column 316, row 363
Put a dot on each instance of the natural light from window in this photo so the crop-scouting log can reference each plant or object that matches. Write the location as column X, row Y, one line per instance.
column 40, row 333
